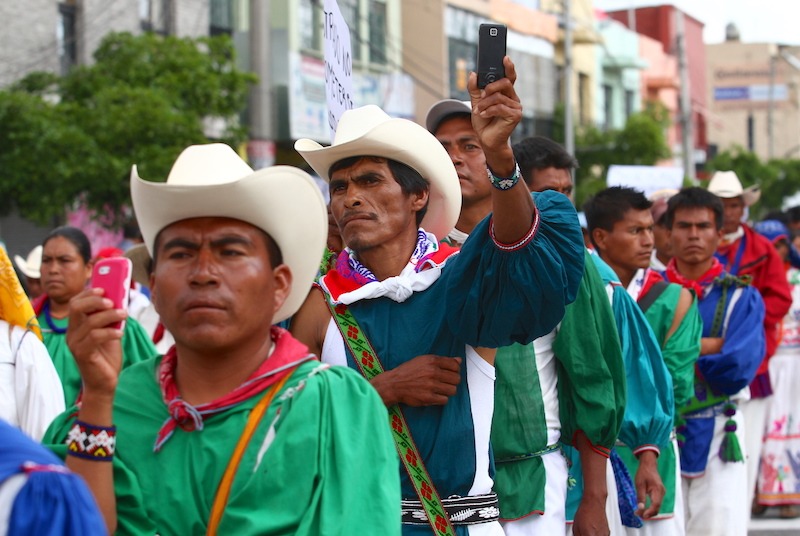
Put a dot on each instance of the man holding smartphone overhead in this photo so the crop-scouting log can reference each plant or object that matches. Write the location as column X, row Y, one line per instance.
column 567, row 386
column 238, row 429
column 421, row 311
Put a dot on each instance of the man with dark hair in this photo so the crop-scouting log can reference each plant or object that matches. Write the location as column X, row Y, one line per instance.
column 412, row 314
column 662, row 249
column 546, row 163
column 621, row 226
column 238, row 429
column 534, row 382
column 715, row 478
column 744, row 252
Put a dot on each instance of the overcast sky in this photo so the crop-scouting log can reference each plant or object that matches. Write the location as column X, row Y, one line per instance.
column 765, row 21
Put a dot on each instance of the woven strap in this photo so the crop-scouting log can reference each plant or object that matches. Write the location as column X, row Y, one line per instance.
column 370, row 366
column 224, row 489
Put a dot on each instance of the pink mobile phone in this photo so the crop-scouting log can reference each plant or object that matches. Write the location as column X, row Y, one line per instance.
column 114, row 277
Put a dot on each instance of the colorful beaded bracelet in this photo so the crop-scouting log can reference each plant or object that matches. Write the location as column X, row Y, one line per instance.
column 90, row 442
column 504, row 183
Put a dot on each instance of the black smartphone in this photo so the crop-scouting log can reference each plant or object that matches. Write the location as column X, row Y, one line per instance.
column 491, row 51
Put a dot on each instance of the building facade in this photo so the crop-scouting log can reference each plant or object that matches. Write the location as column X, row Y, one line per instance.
column 53, row 36
column 661, row 24
column 753, row 98
column 618, row 75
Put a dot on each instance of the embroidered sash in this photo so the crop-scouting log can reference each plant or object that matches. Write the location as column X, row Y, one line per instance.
column 370, row 366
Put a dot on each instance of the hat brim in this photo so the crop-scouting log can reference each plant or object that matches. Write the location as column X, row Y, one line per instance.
column 406, row 142
column 444, row 109
column 26, row 270
column 282, row 201
column 751, row 195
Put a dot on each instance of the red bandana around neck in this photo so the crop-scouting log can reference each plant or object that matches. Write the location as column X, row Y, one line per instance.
column 697, row 285
column 651, row 277
column 286, row 356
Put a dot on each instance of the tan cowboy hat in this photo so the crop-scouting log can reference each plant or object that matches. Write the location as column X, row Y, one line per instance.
column 726, row 184
column 212, row 181
column 140, row 259
column 30, row 266
column 443, row 109
column 369, row 131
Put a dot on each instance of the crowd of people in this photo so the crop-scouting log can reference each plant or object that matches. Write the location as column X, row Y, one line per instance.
column 443, row 348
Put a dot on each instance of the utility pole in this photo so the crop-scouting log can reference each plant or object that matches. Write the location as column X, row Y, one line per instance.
column 687, row 146
column 261, row 117
column 569, row 135
column 773, row 59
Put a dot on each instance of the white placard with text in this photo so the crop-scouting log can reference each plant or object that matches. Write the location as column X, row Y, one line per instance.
column 338, row 65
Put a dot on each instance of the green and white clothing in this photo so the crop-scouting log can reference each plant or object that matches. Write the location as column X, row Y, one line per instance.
column 680, row 353
column 569, row 380
column 650, row 407
column 487, row 295
column 321, row 461
column 136, row 347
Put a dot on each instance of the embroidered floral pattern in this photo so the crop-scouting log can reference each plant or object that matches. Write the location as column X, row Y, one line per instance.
column 370, row 366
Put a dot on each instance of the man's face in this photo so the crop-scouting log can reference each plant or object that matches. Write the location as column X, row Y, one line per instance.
column 732, row 216
column 461, row 143
column 629, row 244
column 694, row 235
column 661, row 241
column 213, row 283
column 369, row 206
column 552, row 178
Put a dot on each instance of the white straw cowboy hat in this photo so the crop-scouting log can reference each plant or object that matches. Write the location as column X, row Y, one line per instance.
column 212, row 181
column 30, row 266
column 444, row 109
column 726, row 184
column 369, row 131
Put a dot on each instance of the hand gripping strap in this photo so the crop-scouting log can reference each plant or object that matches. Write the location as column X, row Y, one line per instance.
column 370, row 366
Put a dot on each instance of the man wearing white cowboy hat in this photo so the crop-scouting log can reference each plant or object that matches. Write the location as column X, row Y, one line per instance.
column 409, row 312
column 30, row 267
column 745, row 252
column 238, row 428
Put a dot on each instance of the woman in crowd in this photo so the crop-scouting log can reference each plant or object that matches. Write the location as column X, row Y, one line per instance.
column 779, row 474
column 66, row 269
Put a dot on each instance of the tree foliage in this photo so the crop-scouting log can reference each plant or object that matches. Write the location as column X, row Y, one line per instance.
column 641, row 141
column 141, row 102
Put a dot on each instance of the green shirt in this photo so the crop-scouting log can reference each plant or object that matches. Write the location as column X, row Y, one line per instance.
column 136, row 347
column 321, row 461
column 680, row 354
column 591, row 395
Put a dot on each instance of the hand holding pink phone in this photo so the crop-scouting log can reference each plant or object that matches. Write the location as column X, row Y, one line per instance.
column 113, row 275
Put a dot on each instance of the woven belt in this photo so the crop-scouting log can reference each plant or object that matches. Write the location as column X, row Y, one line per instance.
column 705, row 413
column 462, row 510
column 538, row 454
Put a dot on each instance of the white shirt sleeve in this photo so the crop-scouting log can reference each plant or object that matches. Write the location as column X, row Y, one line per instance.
column 39, row 394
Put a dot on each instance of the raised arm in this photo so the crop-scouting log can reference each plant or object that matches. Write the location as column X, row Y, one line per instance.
column 496, row 111
column 98, row 354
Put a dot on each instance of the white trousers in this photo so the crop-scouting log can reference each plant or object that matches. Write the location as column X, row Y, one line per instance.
column 755, row 418
column 555, row 498
column 716, row 503
column 486, row 529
